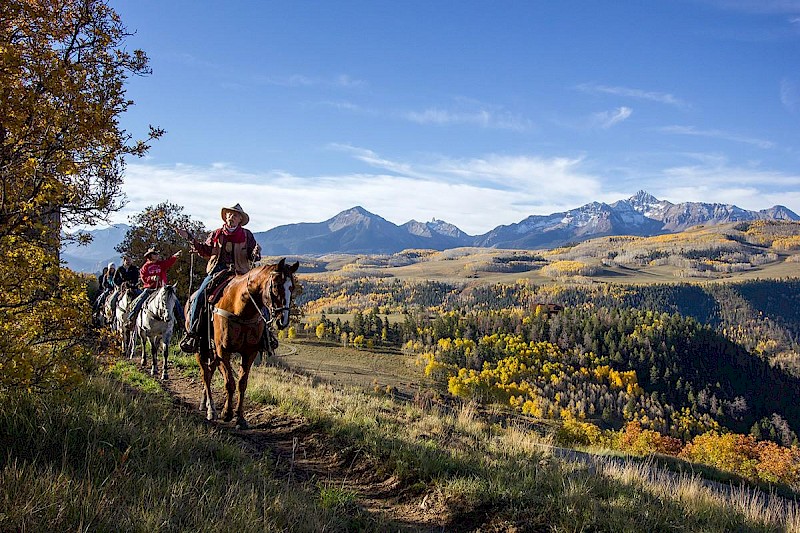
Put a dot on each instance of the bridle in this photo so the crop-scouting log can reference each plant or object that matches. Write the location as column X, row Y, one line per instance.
column 273, row 311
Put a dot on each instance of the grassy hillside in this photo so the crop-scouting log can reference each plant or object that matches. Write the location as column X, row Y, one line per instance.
column 110, row 458
column 465, row 390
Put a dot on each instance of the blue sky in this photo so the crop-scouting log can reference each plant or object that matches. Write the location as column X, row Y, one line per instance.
column 479, row 113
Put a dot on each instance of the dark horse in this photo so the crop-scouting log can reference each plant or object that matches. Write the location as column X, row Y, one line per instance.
column 238, row 325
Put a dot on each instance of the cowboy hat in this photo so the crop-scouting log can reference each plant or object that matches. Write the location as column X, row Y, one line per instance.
column 237, row 209
column 150, row 251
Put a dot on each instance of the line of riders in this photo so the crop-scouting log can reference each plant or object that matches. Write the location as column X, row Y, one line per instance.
column 230, row 250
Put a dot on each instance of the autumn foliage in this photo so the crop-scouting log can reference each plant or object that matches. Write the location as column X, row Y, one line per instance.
column 63, row 65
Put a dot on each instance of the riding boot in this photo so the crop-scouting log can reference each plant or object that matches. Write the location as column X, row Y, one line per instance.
column 269, row 343
column 190, row 343
column 264, row 345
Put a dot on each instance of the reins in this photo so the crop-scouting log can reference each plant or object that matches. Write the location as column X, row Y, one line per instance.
column 272, row 310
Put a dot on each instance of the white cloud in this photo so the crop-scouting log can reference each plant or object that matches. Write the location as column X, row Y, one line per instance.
column 301, row 80
column 475, row 194
column 717, row 134
column 790, row 94
column 607, row 119
column 713, row 180
column 653, row 96
column 484, row 118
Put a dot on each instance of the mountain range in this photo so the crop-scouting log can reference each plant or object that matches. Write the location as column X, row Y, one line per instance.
column 358, row 231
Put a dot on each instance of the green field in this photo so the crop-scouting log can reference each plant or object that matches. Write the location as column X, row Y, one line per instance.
column 351, row 367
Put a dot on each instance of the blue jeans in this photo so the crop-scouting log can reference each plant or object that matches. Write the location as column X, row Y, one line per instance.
column 200, row 300
column 138, row 303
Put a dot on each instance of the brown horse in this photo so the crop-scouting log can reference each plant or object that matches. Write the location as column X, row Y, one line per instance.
column 238, row 325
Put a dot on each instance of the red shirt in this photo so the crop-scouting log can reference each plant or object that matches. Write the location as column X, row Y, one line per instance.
column 157, row 269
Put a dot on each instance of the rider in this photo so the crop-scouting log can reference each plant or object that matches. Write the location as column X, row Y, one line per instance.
column 106, row 280
column 126, row 272
column 154, row 275
column 231, row 247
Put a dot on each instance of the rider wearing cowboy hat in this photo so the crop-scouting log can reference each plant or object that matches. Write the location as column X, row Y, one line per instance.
column 154, row 275
column 231, row 247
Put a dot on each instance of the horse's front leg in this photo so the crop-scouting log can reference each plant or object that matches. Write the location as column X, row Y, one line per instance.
column 230, row 384
column 155, row 347
column 133, row 343
column 247, row 362
column 124, row 338
column 165, row 343
column 142, row 345
column 207, row 366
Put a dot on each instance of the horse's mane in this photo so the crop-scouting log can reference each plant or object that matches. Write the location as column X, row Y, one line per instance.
column 162, row 298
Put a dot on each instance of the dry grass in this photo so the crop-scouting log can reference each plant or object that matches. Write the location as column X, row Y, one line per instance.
column 470, row 464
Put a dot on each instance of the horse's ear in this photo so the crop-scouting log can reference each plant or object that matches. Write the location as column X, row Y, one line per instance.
column 294, row 267
column 281, row 263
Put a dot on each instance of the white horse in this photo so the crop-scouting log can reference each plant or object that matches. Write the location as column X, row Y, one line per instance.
column 154, row 324
column 121, row 324
column 107, row 313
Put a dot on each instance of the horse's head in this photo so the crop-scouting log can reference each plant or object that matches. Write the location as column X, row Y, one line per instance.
column 164, row 299
column 279, row 288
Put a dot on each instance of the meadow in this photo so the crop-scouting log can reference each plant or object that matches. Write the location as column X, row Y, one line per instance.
column 124, row 452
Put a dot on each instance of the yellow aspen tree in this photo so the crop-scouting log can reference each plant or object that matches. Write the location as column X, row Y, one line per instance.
column 63, row 67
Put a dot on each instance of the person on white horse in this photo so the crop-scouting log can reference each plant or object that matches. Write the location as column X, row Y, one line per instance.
column 154, row 275
column 231, row 247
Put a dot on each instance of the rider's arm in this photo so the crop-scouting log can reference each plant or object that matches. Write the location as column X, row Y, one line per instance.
column 204, row 249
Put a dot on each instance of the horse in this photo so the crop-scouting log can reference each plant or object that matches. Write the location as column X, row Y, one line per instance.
column 107, row 311
column 238, row 325
column 121, row 324
column 154, row 323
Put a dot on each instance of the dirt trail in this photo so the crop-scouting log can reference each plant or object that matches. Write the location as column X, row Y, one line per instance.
column 302, row 455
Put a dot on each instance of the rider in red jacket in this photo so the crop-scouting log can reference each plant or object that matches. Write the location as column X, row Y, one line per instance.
column 154, row 270
column 154, row 275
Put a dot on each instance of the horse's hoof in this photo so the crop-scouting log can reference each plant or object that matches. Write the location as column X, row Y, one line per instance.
column 227, row 418
column 163, row 376
column 242, row 424
column 211, row 416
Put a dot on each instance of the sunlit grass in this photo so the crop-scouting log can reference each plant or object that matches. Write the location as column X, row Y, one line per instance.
column 468, row 464
column 104, row 459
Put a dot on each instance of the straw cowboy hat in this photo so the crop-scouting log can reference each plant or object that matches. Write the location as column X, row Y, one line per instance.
column 150, row 251
column 237, row 209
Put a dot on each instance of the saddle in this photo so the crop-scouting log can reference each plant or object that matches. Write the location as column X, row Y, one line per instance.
column 218, row 284
column 190, row 343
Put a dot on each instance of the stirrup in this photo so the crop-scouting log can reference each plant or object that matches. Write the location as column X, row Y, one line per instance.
column 190, row 343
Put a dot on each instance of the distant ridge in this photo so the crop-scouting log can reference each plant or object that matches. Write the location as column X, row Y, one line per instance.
column 357, row 231
column 93, row 257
